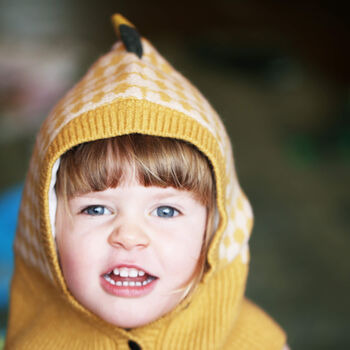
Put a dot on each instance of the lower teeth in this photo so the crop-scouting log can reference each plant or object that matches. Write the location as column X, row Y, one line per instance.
column 128, row 283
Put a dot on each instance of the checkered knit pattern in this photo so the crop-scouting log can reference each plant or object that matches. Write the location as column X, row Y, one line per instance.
column 123, row 94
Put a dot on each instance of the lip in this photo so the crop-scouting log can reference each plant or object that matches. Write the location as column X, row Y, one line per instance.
column 127, row 291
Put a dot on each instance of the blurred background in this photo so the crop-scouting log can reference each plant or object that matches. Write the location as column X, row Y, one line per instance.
column 277, row 72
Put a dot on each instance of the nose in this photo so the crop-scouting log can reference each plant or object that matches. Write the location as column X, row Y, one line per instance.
column 128, row 236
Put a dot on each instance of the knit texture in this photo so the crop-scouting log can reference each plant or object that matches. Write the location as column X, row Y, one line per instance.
column 123, row 94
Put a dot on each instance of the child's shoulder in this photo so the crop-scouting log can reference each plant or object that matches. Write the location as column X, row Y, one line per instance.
column 259, row 327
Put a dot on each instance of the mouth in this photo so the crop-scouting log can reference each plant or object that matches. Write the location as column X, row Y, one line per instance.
column 128, row 277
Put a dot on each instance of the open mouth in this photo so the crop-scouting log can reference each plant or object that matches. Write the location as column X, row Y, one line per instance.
column 128, row 277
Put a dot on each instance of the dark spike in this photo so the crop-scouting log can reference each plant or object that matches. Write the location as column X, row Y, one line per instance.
column 131, row 39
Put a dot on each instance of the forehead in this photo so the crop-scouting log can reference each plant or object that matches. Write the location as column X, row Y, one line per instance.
column 129, row 173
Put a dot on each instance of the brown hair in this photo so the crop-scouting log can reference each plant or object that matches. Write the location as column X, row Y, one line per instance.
column 155, row 161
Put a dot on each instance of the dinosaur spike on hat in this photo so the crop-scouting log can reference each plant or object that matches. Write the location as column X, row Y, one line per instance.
column 128, row 34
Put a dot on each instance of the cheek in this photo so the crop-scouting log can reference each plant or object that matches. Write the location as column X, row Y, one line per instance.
column 74, row 257
column 75, row 246
column 79, row 269
column 181, row 247
column 193, row 235
column 68, row 260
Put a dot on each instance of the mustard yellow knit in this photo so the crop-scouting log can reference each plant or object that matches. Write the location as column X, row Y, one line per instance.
column 121, row 94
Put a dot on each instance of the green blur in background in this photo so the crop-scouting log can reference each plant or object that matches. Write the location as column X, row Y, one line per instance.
column 278, row 74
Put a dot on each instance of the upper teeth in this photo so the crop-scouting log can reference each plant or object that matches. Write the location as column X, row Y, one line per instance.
column 128, row 272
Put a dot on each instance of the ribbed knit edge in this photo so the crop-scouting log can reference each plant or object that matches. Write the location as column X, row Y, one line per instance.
column 213, row 311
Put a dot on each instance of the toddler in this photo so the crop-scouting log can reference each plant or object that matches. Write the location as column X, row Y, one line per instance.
column 133, row 230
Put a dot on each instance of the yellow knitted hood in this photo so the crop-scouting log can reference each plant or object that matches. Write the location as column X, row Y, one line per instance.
column 133, row 89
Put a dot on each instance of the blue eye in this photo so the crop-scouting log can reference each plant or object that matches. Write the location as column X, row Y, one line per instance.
column 166, row 212
column 96, row 210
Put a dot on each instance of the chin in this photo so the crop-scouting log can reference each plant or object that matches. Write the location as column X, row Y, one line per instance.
column 129, row 323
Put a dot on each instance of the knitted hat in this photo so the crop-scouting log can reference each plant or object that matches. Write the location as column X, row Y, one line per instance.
column 133, row 89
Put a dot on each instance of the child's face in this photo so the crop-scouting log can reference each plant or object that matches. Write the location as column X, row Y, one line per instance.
column 153, row 233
